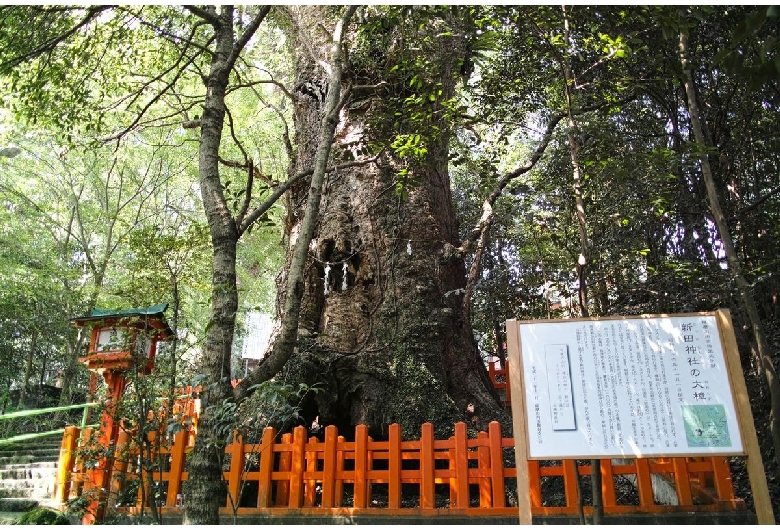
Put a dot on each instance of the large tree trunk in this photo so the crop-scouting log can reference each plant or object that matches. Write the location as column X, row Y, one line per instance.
column 381, row 324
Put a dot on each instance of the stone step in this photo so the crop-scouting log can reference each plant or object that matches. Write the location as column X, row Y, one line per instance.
column 15, row 504
column 30, row 450
column 37, row 470
column 7, row 518
column 26, row 488
column 42, row 444
column 28, row 472
column 10, row 461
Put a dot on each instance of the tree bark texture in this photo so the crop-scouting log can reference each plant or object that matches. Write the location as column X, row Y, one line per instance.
column 381, row 324
column 205, row 488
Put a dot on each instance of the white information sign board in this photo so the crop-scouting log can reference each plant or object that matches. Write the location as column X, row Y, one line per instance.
column 627, row 387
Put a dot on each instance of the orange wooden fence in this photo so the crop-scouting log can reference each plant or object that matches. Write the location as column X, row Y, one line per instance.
column 290, row 474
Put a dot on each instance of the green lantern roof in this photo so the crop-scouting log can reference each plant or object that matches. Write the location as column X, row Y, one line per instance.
column 155, row 311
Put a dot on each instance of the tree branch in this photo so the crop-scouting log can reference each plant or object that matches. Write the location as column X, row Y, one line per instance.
column 208, row 13
column 759, row 201
column 503, row 181
column 52, row 43
column 250, row 30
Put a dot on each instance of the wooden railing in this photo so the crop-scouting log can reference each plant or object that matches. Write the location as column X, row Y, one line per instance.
column 290, row 473
column 499, row 377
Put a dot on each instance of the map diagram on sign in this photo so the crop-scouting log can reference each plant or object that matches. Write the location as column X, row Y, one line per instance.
column 706, row 426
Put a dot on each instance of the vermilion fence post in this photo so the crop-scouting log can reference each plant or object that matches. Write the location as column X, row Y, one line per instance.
column 682, row 484
column 643, row 482
column 285, row 464
column 722, row 478
column 296, row 471
column 329, row 467
column 310, row 491
column 264, row 485
column 369, row 469
column 570, row 483
column 483, row 466
column 608, row 496
column 427, row 468
column 361, row 461
column 497, row 464
column 77, row 486
column 65, row 464
column 461, row 466
column 394, row 466
column 453, row 472
column 236, row 471
column 535, row 483
column 177, row 467
column 339, row 482
column 121, row 455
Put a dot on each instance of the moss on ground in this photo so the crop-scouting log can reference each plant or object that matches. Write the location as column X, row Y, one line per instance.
column 42, row 515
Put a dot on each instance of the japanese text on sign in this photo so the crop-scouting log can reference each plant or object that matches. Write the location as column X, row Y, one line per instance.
column 627, row 387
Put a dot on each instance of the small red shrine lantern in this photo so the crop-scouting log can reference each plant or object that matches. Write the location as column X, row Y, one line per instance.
column 121, row 339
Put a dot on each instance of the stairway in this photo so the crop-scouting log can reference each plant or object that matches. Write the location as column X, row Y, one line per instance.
column 28, row 471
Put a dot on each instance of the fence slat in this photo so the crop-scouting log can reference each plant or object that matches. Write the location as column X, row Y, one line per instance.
column 310, row 486
column 65, row 464
column 361, row 481
column 461, row 466
column 264, row 484
column 285, row 464
column 340, row 457
column 394, row 467
column 682, row 484
column 178, row 452
column 237, row 457
column 496, row 465
column 722, row 478
column 329, row 467
column 427, row 467
column 296, row 471
column 535, row 483
column 119, row 469
column 608, row 496
column 643, row 482
column 483, row 465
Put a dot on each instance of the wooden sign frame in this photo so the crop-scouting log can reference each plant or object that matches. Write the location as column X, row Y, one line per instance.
column 744, row 415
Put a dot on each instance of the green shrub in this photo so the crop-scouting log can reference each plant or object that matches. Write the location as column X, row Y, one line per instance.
column 43, row 516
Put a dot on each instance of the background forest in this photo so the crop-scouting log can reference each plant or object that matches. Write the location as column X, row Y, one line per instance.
column 602, row 161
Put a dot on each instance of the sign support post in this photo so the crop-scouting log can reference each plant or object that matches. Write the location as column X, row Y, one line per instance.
column 519, row 425
column 754, row 462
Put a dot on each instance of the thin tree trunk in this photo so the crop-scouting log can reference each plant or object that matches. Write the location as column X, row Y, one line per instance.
column 745, row 291
column 205, row 488
column 28, row 367
column 582, row 261
column 475, row 268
